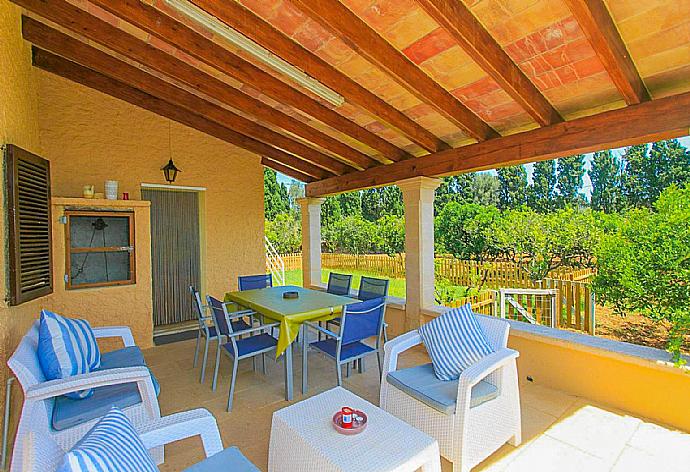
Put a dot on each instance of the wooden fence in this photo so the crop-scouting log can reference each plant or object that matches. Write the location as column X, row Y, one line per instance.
column 575, row 302
column 457, row 271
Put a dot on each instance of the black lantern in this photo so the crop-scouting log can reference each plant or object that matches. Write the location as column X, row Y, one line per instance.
column 170, row 171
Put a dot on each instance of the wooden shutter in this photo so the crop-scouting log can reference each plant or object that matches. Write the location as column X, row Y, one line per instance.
column 28, row 204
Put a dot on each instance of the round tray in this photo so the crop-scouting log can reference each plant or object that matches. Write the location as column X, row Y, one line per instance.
column 291, row 295
column 357, row 425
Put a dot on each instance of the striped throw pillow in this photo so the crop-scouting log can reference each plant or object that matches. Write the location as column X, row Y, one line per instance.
column 67, row 347
column 112, row 445
column 454, row 341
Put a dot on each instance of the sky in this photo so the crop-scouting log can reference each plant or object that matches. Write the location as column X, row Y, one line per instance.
column 586, row 186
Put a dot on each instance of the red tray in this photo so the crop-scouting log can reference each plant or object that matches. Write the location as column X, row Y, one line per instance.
column 357, row 425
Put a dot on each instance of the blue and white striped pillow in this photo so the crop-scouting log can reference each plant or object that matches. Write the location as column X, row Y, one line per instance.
column 67, row 347
column 454, row 341
column 112, row 445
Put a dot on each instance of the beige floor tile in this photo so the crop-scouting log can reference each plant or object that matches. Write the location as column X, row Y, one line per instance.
column 552, row 402
column 600, row 432
column 635, row 460
column 659, row 441
column 546, row 454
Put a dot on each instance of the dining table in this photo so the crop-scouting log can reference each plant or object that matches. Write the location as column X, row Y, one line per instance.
column 291, row 312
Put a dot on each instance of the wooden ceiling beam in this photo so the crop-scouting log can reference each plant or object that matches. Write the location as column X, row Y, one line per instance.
column 476, row 41
column 600, row 29
column 55, row 41
column 164, row 63
column 176, row 33
column 69, row 70
column 650, row 121
column 343, row 23
column 283, row 169
column 262, row 32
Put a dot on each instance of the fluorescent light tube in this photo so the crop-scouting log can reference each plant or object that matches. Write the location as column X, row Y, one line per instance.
column 264, row 55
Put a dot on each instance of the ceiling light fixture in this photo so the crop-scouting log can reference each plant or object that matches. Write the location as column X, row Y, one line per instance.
column 264, row 55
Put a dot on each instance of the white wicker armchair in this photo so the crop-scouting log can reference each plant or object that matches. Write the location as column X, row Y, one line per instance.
column 43, row 454
column 471, row 434
column 39, row 395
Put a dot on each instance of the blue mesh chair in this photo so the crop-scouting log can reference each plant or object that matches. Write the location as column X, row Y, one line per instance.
column 339, row 284
column 252, row 282
column 209, row 332
column 359, row 321
column 371, row 287
column 255, row 341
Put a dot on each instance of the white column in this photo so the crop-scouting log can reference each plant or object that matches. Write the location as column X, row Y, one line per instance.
column 311, row 240
column 418, row 197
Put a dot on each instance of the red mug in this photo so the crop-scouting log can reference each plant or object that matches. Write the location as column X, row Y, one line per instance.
column 347, row 417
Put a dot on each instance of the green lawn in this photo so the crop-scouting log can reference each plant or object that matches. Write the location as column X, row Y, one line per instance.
column 396, row 288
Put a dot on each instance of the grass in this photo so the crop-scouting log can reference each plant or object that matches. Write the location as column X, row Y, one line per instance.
column 396, row 288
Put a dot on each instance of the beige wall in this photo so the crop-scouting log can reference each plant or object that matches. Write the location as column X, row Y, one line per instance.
column 90, row 137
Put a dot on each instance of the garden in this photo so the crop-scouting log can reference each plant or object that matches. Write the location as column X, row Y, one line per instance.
column 630, row 227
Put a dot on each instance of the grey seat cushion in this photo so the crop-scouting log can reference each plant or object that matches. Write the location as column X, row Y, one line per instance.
column 69, row 412
column 421, row 383
column 230, row 459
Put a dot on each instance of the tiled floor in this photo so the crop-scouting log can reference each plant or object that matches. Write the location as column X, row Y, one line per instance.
column 560, row 432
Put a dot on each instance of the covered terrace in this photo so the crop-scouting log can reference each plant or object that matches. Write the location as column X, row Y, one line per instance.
column 342, row 95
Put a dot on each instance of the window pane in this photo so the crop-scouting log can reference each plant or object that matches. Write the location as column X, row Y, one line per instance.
column 99, row 267
column 99, row 231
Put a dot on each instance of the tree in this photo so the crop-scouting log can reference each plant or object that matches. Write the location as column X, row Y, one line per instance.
column 454, row 188
column 571, row 170
column 353, row 235
column 377, row 202
column 543, row 188
column 284, row 232
column 648, row 171
column 540, row 243
column 644, row 267
column 275, row 195
column 350, row 203
column 485, row 189
column 330, row 211
column 513, row 186
column 391, row 235
column 466, row 230
column 607, row 194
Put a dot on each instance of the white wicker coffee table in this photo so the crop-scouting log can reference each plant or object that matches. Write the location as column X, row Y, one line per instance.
column 303, row 439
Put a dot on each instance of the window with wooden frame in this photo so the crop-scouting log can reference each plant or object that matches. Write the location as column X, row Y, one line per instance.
column 27, row 178
column 99, row 248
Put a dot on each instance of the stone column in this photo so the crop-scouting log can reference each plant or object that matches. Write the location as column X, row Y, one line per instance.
column 418, row 197
column 311, row 240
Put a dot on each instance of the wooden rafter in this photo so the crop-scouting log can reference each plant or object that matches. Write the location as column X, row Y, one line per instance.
column 476, row 41
column 174, row 32
column 600, row 29
column 338, row 19
column 283, row 169
column 664, row 118
column 249, row 24
column 84, row 76
column 164, row 63
column 55, row 41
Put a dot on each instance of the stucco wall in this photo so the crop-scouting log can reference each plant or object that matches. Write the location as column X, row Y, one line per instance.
column 90, row 137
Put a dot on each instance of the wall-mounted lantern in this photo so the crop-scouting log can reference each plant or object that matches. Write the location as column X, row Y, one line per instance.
column 170, row 171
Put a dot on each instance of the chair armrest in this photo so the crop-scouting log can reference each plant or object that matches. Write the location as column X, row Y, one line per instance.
column 397, row 346
column 254, row 329
column 183, row 425
column 321, row 329
column 478, row 371
column 239, row 314
column 100, row 378
column 115, row 332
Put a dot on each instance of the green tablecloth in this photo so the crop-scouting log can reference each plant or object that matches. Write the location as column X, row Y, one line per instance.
column 312, row 305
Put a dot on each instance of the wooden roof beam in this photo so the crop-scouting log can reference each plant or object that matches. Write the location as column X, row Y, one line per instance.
column 250, row 25
column 283, row 169
column 44, row 37
column 476, row 41
column 53, row 64
column 137, row 50
column 600, row 29
column 339, row 20
column 650, row 121
column 174, row 32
